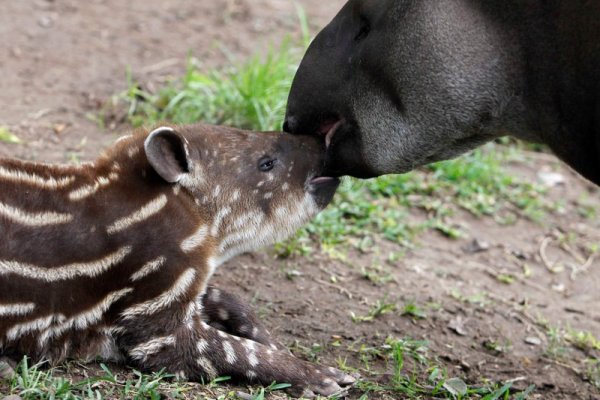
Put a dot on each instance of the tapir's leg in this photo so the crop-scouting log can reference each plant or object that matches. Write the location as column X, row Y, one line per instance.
column 183, row 344
column 229, row 313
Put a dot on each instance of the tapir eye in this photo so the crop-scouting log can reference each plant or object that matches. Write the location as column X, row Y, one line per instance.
column 365, row 29
column 266, row 164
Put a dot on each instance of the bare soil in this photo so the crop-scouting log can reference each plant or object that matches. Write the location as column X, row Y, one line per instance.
column 60, row 60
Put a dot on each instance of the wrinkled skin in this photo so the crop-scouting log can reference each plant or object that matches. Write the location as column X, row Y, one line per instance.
column 395, row 84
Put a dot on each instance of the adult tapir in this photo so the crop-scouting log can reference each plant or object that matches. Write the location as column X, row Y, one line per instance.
column 395, row 84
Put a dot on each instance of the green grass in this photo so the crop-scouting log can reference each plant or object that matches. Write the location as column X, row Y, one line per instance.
column 39, row 383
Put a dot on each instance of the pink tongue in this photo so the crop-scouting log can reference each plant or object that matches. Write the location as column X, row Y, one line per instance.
column 321, row 179
column 329, row 130
column 326, row 127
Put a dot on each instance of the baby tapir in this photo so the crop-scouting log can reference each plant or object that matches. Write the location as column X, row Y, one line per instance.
column 111, row 259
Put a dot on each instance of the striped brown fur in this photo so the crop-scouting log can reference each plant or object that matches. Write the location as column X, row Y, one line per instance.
column 112, row 259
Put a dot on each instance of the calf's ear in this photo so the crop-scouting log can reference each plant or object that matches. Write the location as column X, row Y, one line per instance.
column 167, row 152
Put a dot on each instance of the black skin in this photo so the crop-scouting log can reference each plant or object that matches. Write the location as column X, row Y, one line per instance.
column 418, row 81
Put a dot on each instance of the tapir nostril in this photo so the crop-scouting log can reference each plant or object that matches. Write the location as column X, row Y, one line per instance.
column 289, row 125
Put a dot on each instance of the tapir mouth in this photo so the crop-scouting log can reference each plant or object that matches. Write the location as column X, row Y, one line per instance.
column 329, row 128
column 324, row 180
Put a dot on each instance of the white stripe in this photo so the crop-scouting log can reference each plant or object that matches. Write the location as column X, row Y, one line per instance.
column 37, row 180
column 195, row 240
column 153, row 346
column 33, row 219
column 219, row 219
column 140, row 215
column 52, row 274
column 38, row 324
column 148, row 268
column 84, row 319
column 88, row 190
column 165, row 299
column 16, row 309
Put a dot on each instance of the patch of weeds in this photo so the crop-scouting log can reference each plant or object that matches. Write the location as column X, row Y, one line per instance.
column 412, row 310
column 7, row 136
column 38, row 382
column 311, row 353
column 556, row 348
column 251, row 96
column 593, row 371
column 380, row 308
column 273, row 387
column 582, row 340
column 479, row 299
column 412, row 374
column 377, row 274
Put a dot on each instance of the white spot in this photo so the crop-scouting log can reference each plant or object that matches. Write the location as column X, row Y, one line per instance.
column 44, row 218
column 142, row 351
column 36, row 180
column 223, row 314
column 133, row 151
column 251, row 375
column 259, row 184
column 195, row 240
column 252, row 360
column 148, row 268
column 268, row 195
column 207, row 366
column 215, row 295
column 165, row 299
column 202, row 346
column 52, row 274
column 230, row 356
column 145, row 212
column 176, row 189
column 123, row 138
column 217, row 191
column 16, row 309
column 254, row 331
column 235, row 196
column 285, row 186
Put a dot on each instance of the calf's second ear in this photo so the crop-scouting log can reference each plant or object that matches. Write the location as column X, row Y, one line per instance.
column 167, row 152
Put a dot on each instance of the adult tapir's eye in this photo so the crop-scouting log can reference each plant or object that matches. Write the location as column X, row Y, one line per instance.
column 266, row 164
column 365, row 29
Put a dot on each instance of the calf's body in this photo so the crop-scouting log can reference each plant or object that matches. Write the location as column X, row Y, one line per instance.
column 111, row 260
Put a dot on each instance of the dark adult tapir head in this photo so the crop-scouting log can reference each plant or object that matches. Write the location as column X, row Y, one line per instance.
column 395, row 84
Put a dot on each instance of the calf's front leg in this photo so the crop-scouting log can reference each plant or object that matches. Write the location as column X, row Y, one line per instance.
column 185, row 345
column 228, row 313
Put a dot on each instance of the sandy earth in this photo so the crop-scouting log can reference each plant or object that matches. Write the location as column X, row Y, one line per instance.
column 60, row 60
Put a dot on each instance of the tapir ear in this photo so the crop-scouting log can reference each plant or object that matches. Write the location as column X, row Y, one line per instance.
column 167, row 152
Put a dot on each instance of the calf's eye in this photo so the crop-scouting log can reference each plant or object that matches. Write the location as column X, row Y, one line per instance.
column 266, row 164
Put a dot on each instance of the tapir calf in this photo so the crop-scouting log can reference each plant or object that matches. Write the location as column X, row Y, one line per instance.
column 395, row 84
column 112, row 259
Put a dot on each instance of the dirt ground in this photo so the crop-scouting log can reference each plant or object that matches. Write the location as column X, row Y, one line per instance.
column 61, row 59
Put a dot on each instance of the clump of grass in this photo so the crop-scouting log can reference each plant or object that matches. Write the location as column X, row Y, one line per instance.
column 251, row 96
column 39, row 382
